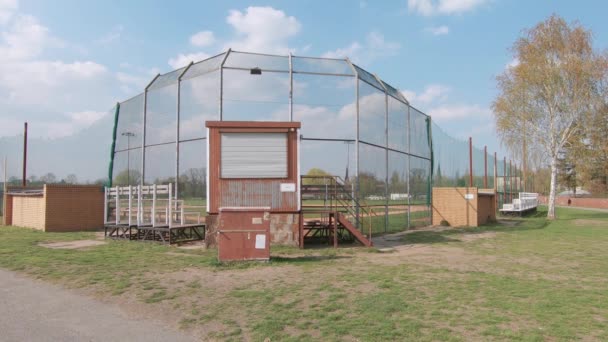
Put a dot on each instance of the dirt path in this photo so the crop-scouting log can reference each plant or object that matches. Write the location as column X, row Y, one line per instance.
column 36, row 311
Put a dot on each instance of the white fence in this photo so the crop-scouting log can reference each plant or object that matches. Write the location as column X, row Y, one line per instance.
column 526, row 201
column 143, row 205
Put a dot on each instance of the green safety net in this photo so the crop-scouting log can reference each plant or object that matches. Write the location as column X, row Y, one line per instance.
column 111, row 166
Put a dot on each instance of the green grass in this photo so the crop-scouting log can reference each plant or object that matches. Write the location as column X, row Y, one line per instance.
column 534, row 281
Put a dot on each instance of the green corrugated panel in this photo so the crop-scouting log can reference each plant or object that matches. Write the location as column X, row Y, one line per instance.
column 111, row 166
column 430, row 178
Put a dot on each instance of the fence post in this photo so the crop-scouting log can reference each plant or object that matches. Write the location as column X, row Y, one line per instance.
column 485, row 167
column 510, row 182
column 470, row 162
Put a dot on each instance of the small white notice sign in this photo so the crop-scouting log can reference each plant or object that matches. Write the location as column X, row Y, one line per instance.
column 260, row 241
column 288, row 187
column 469, row 196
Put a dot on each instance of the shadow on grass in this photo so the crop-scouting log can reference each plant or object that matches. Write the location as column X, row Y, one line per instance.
column 427, row 237
column 534, row 222
column 306, row 258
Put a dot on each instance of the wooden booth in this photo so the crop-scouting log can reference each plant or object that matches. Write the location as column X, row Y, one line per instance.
column 463, row 207
column 55, row 207
column 253, row 173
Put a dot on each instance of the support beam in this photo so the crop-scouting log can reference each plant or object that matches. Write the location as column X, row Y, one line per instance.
column 386, row 192
column 290, row 87
column 177, row 120
column 143, row 134
column 221, row 98
column 357, row 187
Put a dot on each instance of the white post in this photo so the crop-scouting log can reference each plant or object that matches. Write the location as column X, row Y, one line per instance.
column 170, row 216
column 117, row 205
column 181, row 215
column 140, row 214
column 153, row 205
column 105, row 203
column 130, row 203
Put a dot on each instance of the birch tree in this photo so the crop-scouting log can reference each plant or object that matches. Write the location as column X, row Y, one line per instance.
column 548, row 96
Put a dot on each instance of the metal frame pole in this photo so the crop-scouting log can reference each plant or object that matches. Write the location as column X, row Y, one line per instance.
column 409, row 171
column 470, row 162
column 386, row 194
column 177, row 127
column 357, row 187
column 290, row 87
column 143, row 135
column 221, row 98
column 485, row 167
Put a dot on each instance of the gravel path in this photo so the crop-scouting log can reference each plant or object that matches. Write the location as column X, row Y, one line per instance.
column 31, row 310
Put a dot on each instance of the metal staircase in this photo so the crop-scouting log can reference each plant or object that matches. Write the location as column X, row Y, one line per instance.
column 331, row 213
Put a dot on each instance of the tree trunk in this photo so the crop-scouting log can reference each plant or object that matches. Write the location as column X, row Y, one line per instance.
column 553, row 189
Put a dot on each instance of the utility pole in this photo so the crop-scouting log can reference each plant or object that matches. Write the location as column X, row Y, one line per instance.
column 24, row 179
column 470, row 162
column 4, row 194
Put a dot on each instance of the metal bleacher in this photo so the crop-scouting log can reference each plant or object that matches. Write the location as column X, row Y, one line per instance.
column 525, row 203
column 149, row 213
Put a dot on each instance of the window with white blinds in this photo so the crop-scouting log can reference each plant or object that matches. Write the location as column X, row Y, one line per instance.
column 254, row 155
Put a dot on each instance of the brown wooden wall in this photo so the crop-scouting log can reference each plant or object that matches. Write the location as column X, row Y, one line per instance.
column 252, row 192
column 73, row 207
column 60, row 208
column 452, row 205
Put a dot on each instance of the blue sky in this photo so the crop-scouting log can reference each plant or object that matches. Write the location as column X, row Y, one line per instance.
column 63, row 64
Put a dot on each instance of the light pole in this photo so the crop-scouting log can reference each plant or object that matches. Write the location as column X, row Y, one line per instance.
column 128, row 135
column 352, row 185
column 348, row 143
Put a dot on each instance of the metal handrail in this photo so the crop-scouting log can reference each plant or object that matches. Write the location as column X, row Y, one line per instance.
column 335, row 200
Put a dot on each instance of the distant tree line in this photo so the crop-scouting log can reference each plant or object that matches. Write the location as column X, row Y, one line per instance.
column 50, row 178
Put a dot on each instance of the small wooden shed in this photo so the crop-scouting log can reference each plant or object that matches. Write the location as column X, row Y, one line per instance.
column 55, row 207
column 252, row 165
column 463, row 207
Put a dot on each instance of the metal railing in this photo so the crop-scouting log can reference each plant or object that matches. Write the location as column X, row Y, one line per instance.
column 337, row 198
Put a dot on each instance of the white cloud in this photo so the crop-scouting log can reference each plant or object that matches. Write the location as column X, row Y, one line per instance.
column 432, row 93
column 512, row 64
column 132, row 83
column 26, row 38
column 459, row 111
column 349, row 51
column 458, row 6
column 202, row 39
column 7, row 9
column 438, row 30
column 443, row 7
column 374, row 47
column 434, row 100
column 257, row 29
column 262, row 29
column 182, row 60
column 424, row 7
column 42, row 91
column 112, row 36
